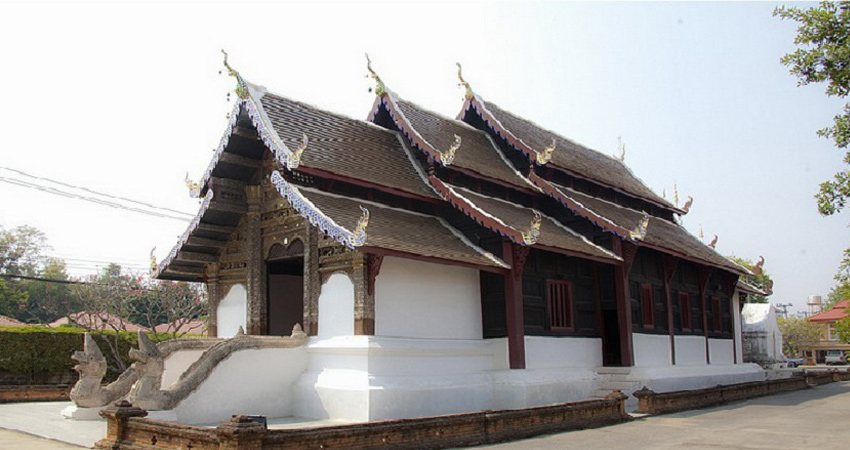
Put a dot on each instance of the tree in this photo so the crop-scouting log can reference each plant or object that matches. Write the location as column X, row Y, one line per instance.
column 20, row 255
column 113, row 302
column 798, row 334
column 841, row 329
column 823, row 56
column 761, row 279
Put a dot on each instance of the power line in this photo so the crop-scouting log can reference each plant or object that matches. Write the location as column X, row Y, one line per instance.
column 91, row 191
column 46, row 280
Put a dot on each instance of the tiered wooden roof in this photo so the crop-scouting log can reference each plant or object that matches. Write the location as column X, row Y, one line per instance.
column 411, row 157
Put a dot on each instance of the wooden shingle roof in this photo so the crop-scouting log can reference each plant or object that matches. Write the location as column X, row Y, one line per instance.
column 569, row 156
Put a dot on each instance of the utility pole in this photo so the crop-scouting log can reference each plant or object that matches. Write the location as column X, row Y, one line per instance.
column 784, row 308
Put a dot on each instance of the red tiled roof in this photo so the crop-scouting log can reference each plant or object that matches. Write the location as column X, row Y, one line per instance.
column 10, row 322
column 183, row 326
column 97, row 320
column 838, row 312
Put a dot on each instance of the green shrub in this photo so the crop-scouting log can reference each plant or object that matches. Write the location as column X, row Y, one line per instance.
column 36, row 354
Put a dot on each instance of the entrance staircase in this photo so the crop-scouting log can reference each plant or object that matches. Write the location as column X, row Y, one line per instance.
column 616, row 378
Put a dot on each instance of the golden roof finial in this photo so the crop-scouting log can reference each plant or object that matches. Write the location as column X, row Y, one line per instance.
column 545, row 156
column 193, row 186
column 622, row 146
column 757, row 269
column 153, row 260
column 639, row 233
column 241, row 86
column 447, row 157
column 713, row 242
column 701, row 235
column 359, row 235
column 688, row 204
column 530, row 236
column 380, row 89
column 675, row 193
column 469, row 95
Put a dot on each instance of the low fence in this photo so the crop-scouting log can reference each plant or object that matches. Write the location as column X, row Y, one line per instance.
column 650, row 402
column 35, row 393
column 128, row 429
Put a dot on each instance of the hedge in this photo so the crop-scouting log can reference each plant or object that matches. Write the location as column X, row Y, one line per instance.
column 41, row 355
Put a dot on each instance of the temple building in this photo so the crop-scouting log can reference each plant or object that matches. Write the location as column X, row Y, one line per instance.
column 445, row 265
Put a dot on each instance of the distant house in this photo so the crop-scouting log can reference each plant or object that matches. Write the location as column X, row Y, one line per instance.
column 830, row 341
column 183, row 326
column 96, row 320
column 10, row 322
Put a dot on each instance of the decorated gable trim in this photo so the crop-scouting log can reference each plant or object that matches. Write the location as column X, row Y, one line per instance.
column 388, row 99
column 319, row 219
column 157, row 269
column 544, row 156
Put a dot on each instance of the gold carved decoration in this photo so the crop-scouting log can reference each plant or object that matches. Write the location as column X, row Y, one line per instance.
column 448, row 156
column 241, row 86
column 688, row 204
column 193, row 186
column 545, row 156
column 530, row 236
column 713, row 242
column 359, row 236
column 639, row 233
column 296, row 154
column 469, row 95
column 380, row 89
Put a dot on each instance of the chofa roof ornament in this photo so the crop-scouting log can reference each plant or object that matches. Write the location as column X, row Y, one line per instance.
column 358, row 238
column 688, row 204
column 713, row 242
column 545, row 156
column 530, row 236
column 757, row 269
column 193, row 186
column 380, row 89
column 241, row 86
column 469, row 95
column 447, row 157
column 296, row 154
column 639, row 233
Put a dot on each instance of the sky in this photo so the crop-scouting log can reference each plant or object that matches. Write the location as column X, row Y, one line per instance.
column 126, row 98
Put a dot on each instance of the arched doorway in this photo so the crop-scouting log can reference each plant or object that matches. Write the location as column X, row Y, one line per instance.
column 285, row 272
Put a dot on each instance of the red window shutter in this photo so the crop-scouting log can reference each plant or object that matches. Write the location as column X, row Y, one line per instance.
column 685, row 310
column 559, row 301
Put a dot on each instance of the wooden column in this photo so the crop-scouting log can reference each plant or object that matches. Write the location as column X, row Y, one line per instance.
column 627, row 251
column 702, row 281
column 255, row 270
column 312, row 280
column 668, row 267
column 515, row 255
column 213, row 299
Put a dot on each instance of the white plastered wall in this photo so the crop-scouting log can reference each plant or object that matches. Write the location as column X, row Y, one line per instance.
column 177, row 363
column 232, row 311
column 652, row 350
column 255, row 382
column 417, row 299
column 336, row 307
column 690, row 350
column 736, row 324
column 562, row 352
column 720, row 351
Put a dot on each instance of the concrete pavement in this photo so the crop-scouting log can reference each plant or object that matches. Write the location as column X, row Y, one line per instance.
column 817, row 418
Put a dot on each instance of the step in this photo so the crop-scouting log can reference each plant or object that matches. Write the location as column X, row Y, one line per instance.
column 620, row 385
column 613, row 370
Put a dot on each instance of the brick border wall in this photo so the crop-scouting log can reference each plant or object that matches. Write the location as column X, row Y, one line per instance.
column 650, row 402
column 35, row 393
column 128, row 429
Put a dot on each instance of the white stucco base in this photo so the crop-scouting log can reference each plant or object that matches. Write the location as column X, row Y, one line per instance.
column 652, row 350
column 677, row 378
column 690, row 350
column 721, row 351
column 248, row 382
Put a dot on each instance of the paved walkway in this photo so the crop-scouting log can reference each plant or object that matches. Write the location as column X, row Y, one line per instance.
column 809, row 419
column 816, row 418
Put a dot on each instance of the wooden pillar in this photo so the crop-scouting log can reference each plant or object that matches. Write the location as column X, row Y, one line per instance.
column 213, row 299
column 312, row 280
column 668, row 267
column 703, row 276
column 515, row 256
column 627, row 251
column 255, row 270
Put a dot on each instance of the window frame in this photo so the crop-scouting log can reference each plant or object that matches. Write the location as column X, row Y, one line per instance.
column 563, row 305
column 686, row 314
